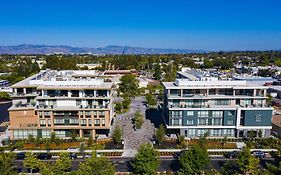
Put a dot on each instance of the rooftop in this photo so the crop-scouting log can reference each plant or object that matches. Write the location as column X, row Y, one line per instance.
column 73, row 78
column 188, row 84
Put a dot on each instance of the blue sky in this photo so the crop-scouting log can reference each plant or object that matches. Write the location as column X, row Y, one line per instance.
column 189, row 24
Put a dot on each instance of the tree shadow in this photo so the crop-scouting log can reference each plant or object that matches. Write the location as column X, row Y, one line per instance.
column 154, row 115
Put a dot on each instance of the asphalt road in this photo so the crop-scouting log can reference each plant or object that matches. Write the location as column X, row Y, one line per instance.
column 166, row 164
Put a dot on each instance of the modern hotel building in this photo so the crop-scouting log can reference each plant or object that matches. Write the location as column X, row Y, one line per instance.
column 62, row 102
column 196, row 104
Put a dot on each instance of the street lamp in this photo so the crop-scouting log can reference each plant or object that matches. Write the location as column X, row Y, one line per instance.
column 123, row 131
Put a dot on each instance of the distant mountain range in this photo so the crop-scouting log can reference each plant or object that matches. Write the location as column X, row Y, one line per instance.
column 49, row 49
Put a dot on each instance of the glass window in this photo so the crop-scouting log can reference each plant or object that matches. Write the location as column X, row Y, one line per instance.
column 189, row 103
column 217, row 113
column 83, row 122
column 189, row 113
column 191, row 132
column 103, row 122
column 217, row 121
column 97, row 122
column 176, row 114
column 60, row 133
column 221, row 102
column 201, row 132
column 102, row 114
column 46, row 133
column 42, row 122
column 78, row 102
column 47, row 113
column 176, row 122
column 247, row 101
column 58, row 121
column 73, row 121
column 189, row 122
column 24, row 133
column 202, row 121
column 203, row 113
column 90, row 122
column 228, row 132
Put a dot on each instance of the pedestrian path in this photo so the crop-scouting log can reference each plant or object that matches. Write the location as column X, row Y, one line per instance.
column 134, row 138
column 129, row 153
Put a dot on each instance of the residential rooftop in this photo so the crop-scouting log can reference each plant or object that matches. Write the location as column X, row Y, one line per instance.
column 185, row 83
column 64, row 78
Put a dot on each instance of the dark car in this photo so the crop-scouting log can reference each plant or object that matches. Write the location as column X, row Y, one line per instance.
column 232, row 154
column 258, row 154
column 44, row 156
column 178, row 154
column 73, row 156
column 17, row 169
column 20, row 156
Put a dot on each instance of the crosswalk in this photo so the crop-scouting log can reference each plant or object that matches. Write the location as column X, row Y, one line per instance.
column 125, row 118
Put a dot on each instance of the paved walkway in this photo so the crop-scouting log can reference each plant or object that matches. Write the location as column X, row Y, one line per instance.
column 133, row 139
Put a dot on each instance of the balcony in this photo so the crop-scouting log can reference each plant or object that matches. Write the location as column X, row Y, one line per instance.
column 28, row 125
column 24, row 105
column 195, row 105
column 95, row 106
column 44, row 106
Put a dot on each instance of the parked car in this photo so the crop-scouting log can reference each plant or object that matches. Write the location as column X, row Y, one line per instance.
column 258, row 154
column 85, row 156
column 90, row 155
column 73, row 156
column 20, row 156
column 44, row 156
column 232, row 154
column 178, row 154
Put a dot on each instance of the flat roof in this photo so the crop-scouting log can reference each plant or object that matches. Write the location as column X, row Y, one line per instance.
column 187, row 84
column 65, row 78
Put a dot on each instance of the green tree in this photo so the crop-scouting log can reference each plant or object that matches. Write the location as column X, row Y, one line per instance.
column 82, row 148
column 117, row 135
column 157, row 72
column 5, row 96
column 193, row 160
column 90, row 141
column 73, row 135
column 53, row 137
column 203, row 141
column 277, row 62
column 96, row 165
column 247, row 163
column 126, row 103
column 151, row 100
column 31, row 161
column 160, row 134
column 182, row 142
column 274, row 169
column 63, row 164
column 138, row 119
column 208, row 63
column 228, row 169
column 146, row 161
column 30, row 138
column 6, row 164
column 129, row 85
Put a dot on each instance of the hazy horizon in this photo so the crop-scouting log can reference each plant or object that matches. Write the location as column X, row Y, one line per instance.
column 195, row 25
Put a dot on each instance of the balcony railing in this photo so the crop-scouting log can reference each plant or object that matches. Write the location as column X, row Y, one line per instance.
column 24, row 105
